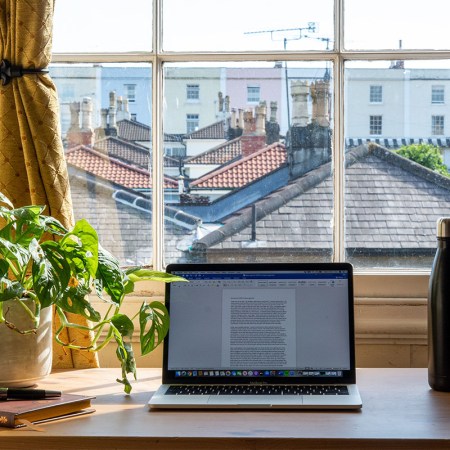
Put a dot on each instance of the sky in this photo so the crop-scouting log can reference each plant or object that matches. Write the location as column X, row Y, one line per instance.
column 238, row 25
column 249, row 24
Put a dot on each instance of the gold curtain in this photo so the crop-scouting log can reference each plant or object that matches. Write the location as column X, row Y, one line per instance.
column 32, row 164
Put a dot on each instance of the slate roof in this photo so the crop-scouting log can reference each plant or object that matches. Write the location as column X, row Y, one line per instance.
column 397, row 142
column 128, row 152
column 132, row 130
column 391, row 203
column 113, row 169
column 213, row 131
column 219, row 155
column 123, row 219
column 245, row 170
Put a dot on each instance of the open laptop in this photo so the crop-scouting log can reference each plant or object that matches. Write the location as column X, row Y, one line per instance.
column 260, row 336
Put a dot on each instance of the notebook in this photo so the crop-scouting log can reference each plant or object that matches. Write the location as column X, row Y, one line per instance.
column 259, row 336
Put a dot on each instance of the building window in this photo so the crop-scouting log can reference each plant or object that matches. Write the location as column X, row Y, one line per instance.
column 437, row 94
column 376, row 94
column 437, row 125
column 253, row 94
column 130, row 92
column 376, row 125
column 193, row 92
column 314, row 81
column 192, row 123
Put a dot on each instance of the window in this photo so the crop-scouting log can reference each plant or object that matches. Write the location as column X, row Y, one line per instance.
column 281, row 97
column 437, row 94
column 192, row 122
column 376, row 125
column 253, row 94
column 376, row 94
column 437, row 125
column 130, row 92
column 193, row 92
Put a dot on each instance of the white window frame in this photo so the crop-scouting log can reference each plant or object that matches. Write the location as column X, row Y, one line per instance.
column 192, row 92
column 437, row 94
column 251, row 94
column 437, row 124
column 130, row 92
column 376, row 94
column 401, row 286
column 376, row 125
column 192, row 122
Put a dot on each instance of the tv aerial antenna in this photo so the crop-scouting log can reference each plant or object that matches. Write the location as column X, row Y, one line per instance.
column 291, row 34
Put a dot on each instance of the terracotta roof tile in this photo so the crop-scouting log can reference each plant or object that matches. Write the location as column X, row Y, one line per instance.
column 245, row 170
column 112, row 169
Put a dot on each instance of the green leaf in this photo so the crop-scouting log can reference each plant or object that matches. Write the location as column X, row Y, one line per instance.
column 10, row 289
column 4, row 199
column 110, row 276
column 58, row 261
column 46, row 283
column 136, row 274
column 122, row 327
column 4, row 268
column 9, row 250
column 123, row 324
column 52, row 225
column 154, row 325
column 75, row 301
column 85, row 245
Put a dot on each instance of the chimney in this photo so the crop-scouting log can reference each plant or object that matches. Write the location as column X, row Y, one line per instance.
column 261, row 112
column 308, row 144
column 272, row 127
column 320, row 97
column 241, row 119
column 100, row 132
column 85, row 134
column 112, row 113
column 119, row 108
column 253, row 138
column 273, row 111
column 126, row 109
column 299, row 93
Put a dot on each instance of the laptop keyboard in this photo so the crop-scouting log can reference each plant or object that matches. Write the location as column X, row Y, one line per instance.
column 258, row 390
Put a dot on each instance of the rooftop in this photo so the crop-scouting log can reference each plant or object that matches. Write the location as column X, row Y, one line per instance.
column 391, row 203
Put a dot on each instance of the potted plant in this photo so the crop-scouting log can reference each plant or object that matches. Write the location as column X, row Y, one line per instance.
column 43, row 266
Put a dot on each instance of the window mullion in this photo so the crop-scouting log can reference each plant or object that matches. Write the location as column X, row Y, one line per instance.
column 157, row 142
column 338, row 138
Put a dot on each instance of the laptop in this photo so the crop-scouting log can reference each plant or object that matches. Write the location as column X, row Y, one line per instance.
column 259, row 336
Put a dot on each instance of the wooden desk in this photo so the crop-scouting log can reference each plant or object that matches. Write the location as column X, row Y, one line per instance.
column 399, row 412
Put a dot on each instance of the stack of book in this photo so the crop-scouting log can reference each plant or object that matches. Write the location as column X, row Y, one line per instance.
column 16, row 413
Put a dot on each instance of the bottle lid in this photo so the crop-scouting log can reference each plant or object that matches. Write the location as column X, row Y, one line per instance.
column 443, row 227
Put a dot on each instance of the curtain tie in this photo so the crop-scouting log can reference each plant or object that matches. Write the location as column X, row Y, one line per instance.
column 8, row 71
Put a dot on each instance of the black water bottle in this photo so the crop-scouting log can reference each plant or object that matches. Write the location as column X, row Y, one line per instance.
column 439, row 311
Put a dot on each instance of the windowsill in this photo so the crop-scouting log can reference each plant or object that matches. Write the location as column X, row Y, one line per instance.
column 390, row 320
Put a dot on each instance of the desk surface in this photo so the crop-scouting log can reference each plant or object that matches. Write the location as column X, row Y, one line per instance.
column 399, row 412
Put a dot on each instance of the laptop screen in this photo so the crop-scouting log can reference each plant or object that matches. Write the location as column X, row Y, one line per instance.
column 284, row 323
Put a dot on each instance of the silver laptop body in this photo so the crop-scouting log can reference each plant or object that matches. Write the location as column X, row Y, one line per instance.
column 260, row 336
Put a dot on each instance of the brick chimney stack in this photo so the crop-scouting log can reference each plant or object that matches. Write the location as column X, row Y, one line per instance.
column 83, row 135
column 254, row 136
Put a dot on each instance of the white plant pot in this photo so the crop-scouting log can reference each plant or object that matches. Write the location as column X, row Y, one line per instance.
column 25, row 359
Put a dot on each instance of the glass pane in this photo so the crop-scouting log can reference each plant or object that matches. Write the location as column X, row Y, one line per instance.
column 248, row 179
column 204, row 25
column 397, row 157
column 107, row 146
column 102, row 26
column 391, row 25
